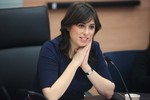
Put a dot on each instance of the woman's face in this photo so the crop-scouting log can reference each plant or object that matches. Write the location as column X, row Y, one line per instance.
column 81, row 34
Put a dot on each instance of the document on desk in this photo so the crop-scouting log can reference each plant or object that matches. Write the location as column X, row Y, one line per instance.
column 120, row 96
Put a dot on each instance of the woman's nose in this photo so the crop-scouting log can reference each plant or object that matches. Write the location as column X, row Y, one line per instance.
column 86, row 31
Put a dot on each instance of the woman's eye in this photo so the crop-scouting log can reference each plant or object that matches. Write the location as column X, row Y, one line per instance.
column 80, row 25
column 92, row 27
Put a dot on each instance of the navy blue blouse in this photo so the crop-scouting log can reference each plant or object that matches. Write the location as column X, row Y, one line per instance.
column 52, row 63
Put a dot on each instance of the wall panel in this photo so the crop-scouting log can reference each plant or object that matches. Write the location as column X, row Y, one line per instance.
column 123, row 28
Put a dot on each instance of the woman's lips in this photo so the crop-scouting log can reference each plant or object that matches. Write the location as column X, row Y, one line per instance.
column 84, row 39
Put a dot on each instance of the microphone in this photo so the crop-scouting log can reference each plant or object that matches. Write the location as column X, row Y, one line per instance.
column 108, row 60
column 32, row 93
column 4, row 90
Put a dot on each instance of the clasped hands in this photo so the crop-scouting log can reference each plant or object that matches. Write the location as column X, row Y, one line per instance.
column 81, row 55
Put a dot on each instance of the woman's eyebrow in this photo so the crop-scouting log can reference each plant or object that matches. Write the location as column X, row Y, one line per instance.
column 92, row 24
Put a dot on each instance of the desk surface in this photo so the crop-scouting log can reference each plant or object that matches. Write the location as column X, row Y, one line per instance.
column 118, row 96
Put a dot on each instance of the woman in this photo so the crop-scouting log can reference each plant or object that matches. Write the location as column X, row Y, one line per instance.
column 72, row 63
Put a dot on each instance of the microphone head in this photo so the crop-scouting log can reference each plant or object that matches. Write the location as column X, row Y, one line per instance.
column 108, row 60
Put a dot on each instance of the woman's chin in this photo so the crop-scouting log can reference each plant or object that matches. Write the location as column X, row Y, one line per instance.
column 83, row 45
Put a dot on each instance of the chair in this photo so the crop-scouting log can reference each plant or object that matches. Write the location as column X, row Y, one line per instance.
column 22, row 32
column 124, row 61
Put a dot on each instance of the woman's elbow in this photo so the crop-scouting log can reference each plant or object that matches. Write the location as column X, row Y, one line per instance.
column 110, row 92
column 49, row 94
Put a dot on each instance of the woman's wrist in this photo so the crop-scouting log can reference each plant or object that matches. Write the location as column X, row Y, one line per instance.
column 74, row 64
column 89, row 72
column 86, row 68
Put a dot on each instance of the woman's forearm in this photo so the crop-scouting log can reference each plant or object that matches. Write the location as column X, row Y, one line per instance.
column 102, row 85
column 59, row 87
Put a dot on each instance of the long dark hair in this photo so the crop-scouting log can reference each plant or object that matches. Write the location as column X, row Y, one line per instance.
column 78, row 12
column 148, row 47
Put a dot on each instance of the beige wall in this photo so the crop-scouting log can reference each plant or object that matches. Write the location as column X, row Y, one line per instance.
column 122, row 28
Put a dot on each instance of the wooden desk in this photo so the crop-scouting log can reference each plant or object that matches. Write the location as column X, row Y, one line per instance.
column 118, row 96
column 95, row 98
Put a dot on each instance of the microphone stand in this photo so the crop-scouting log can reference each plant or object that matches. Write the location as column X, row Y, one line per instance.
column 108, row 60
column 5, row 91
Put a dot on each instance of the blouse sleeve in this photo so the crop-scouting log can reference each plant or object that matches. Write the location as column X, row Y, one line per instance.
column 101, row 66
column 47, row 68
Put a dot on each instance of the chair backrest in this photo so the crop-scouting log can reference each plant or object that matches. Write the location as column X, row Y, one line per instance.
column 22, row 32
column 124, row 61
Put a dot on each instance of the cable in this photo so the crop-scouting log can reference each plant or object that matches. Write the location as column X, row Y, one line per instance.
column 108, row 60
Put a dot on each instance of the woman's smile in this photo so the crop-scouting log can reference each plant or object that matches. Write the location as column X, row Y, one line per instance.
column 84, row 39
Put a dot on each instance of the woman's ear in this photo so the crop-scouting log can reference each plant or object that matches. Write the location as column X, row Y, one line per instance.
column 68, row 28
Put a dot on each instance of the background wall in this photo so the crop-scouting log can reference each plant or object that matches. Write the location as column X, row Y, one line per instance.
column 123, row 28
column 10, row 3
